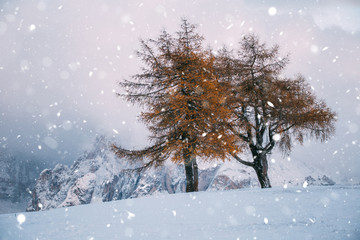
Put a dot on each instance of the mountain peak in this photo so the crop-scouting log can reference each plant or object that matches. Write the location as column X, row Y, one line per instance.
column 99, row 176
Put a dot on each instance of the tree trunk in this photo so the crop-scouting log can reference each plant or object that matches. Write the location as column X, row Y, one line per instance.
column 189, row 178
column 261, row 169
column 191, row 171
column 196, row 175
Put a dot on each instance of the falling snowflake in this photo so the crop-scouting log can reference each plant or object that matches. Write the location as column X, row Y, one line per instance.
column 32, row 27
column 325, row 48
column 230, row 26
column 130, row 215
column 270, row 104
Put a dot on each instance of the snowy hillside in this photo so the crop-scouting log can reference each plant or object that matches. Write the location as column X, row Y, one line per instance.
column 98, row 177
column 331, row 212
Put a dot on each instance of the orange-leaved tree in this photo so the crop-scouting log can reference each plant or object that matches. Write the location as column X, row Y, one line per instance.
column 269, row 110
column 184, row 104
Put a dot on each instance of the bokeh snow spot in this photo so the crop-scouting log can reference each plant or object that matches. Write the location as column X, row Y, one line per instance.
column 74, row 66
column 276, row 137
column 24, row 65
column 41, row 6
column 325, row 201
column 314, row 48
column 250, row 210
column 129, row 232
column 272, row 11
column 21, row 218
column 67, row 125
column 335, row 196
column 64, row 75
column 3, row 28
column 353, row 128
column 210, row 211
column 232, row 221
column 50, row 142
column 47, row 61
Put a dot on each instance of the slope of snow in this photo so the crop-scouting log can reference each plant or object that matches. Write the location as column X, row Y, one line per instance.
column 331, row 212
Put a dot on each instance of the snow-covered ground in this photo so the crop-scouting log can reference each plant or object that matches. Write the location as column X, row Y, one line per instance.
column 279, row 213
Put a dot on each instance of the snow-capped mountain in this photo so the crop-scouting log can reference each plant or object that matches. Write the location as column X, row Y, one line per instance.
column 99, row 176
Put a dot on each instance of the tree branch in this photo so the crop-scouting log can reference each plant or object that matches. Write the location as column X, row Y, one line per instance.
column 249, row 164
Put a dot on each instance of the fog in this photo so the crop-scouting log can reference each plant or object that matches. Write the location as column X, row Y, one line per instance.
column 61, row 62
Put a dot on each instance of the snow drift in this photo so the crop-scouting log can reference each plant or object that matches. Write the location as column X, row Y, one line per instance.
column 330, row 212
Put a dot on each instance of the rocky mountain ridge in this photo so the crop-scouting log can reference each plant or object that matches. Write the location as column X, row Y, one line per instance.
column 100, row 176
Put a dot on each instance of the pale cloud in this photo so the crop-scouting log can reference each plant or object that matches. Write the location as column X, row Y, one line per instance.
column 343, row 15
column 63, row 60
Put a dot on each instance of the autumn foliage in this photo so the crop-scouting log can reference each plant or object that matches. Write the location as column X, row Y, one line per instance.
column 269, row 110
column 184, row 101
column 200, row 105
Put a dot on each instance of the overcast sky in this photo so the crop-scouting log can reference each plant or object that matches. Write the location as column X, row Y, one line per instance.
column 61, row 61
